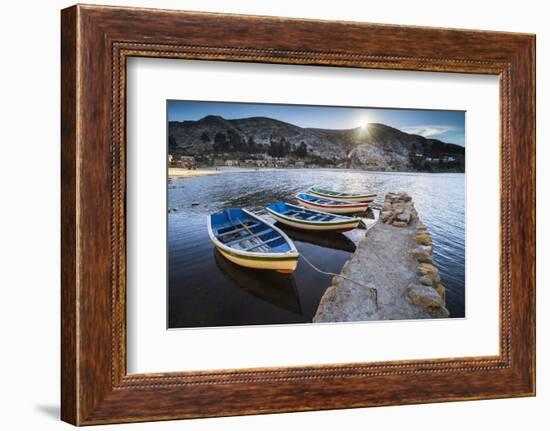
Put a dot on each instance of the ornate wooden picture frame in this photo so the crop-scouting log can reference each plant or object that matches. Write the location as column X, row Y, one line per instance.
column 96, row 41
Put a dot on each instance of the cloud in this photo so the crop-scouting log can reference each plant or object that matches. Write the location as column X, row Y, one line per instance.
column 427, row 131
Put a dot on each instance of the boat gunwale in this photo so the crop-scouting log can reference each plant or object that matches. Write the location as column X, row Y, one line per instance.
column 275, row 257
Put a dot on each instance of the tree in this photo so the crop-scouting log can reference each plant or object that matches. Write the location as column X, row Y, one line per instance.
column 220, row 142
column 172, row 143
column 285, row 146
column 280, row 148
column 301, row 151
column 251, row 144
column 235, row 141
column 273, row 150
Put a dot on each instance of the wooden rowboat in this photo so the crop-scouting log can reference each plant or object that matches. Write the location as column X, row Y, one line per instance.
column 307, row 219
column 330, row 205
column 247, row 240
column 341, row 196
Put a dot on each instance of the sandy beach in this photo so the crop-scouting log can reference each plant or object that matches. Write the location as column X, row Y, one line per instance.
column 182, row 172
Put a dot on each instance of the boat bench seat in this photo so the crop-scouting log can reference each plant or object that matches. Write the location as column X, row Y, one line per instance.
column 242, row 238
column 314, row 217
column 252, row 247
column 230, row 232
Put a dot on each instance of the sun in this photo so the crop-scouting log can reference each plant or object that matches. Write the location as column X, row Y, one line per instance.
column 364, row 124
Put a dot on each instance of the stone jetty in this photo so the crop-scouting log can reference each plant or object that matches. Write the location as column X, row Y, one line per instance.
column 391, row 274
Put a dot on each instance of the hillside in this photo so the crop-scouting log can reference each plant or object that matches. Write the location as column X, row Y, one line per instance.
column 375, row 146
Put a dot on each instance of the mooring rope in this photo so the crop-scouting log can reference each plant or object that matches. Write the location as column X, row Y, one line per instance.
column 371, row 289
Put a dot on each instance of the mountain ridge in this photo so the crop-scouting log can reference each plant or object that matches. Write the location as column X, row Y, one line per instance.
column 375, row 146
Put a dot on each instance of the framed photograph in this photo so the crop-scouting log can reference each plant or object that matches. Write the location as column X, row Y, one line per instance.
column 264, row 214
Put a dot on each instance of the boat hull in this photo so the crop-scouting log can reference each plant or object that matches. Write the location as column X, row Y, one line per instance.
column 284, row 265
column 315, row 226
column 336, row 209
column 350, row 198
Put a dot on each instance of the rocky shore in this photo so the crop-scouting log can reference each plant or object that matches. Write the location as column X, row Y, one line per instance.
column 391, row 275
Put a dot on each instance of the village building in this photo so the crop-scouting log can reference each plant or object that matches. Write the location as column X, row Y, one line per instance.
column 186, row 162
column 281, row 163
column 261, row 163
column 248, row 164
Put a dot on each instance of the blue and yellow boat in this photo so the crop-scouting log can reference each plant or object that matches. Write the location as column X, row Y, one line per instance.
column 307, row 219
column 247, row 240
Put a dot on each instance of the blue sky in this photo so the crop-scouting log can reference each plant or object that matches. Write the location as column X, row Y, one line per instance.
column 448, row 126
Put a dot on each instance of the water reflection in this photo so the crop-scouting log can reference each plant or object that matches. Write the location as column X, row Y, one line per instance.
column 331, row 240
column 270, row 286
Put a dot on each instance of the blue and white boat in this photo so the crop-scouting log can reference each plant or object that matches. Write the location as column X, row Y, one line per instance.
column 247, row 240
column 331, row 206
column 307, row 219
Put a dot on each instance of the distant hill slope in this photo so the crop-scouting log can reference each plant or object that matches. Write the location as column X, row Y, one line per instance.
column 376, row 146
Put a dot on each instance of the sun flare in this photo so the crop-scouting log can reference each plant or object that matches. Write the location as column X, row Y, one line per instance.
column 363, row 124
column 363, row 121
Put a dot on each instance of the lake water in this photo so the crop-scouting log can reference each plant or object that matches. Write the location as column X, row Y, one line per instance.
column 204, row 289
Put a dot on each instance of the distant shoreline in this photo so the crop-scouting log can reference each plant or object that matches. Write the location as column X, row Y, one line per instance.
column 201, row 172
column 182, row 172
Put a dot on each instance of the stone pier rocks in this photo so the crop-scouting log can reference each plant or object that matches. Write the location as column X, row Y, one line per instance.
column 391, row 275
